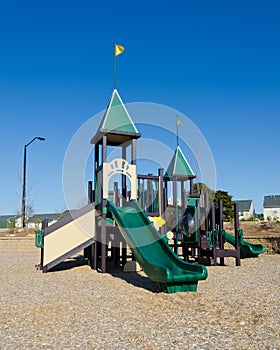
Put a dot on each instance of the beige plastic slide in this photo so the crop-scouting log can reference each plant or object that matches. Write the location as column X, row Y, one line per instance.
column 68, row 236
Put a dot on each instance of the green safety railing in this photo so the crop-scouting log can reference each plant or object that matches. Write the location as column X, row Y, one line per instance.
column 39, row 239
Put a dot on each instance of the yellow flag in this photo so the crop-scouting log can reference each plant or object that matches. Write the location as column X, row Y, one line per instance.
column 118, row 49
column 179, row 122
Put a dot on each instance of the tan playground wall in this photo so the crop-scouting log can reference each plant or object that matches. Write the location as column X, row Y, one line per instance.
column 119, row 166
column 69, row 237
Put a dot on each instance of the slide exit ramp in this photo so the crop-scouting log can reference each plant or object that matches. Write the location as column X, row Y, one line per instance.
column 247, row 250
column 67, row 237
column 152, row 252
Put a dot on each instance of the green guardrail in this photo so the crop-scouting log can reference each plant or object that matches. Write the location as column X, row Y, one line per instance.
column 241, row 235
column 39, row 239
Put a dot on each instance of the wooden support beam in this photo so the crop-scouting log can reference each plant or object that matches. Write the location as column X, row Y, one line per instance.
column 124, row 178
column 236, row 231
column 103, row 243
column 213, row 229
column 191, row 186
column 45, row 224
column 221, row 227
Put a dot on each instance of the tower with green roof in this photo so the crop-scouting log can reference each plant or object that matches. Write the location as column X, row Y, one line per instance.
column 179, row 171
column 116, row 129
column 116, row 123
column 179, row 166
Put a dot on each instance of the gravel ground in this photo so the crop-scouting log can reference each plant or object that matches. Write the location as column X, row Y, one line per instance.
column 235, row 308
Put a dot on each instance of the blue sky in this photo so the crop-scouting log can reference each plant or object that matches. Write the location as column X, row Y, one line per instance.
column 215, row 61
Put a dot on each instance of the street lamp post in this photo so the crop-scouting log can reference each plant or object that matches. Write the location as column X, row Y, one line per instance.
column 23, row 204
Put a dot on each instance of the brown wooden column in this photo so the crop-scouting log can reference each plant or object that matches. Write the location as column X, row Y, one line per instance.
column 213, row 229
column 206, row 206
column 236, row 231
column 191, row 186
column 182, row 182
column 133, row 152
column 123, row 176
column 103, row 237
column 160, row 193
column 221, row 227
column 198, row 218
column 90, row 192
column 97, row 238
column 45, row 224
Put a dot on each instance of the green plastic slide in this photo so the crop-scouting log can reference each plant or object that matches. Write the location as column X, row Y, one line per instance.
column 247, row 250
column 153, row 253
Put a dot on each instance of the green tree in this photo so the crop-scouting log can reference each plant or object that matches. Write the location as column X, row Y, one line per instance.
column 227, row 204
column 201, row 188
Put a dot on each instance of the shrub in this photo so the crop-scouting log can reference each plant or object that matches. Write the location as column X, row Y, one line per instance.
column 11, row 226
column 252, row 218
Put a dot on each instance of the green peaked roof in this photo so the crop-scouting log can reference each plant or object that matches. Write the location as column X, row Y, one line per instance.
column 179, row 166
column 116, row 120
column 117, row 116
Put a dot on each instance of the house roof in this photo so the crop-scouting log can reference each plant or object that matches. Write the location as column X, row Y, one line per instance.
column 7, row 217
column 179, row 166
column 116, row 123
column 70, row 212
column 271, row 201
column 244, row 204
column 41, row 217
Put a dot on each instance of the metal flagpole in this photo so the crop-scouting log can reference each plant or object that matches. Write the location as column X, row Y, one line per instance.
column 177, row 133
column 177, row 130
column 115, row 67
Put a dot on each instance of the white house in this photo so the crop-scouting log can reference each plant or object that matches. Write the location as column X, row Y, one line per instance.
column 271, row 207
column 246, row 208
column 34, row 221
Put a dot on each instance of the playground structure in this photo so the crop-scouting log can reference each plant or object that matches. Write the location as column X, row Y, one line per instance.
column 203, row 238
column 115, row 225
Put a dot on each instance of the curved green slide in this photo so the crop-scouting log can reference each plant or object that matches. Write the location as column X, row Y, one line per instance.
column 247, row 250
column 152, row 252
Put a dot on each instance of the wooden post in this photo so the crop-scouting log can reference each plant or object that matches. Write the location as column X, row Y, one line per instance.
column 88, row 251
column 149, row 195
column 124, row 253
column 198, row 211
column 103, row 237
column 90, row 192
column 213, row 229
column 96, row 155
column 124, row 198
column 166, row 193
column 236, row 231
column 191, row 186
column 161, row 199
column 141, row 193
column 116, row 194
column 124, row 178
column 96, row 252
column 175, row 202
column 133, row 152
column 45, row 224
column 206, row 206
column 91, row 249
column 221, row 227
column 183, row 203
